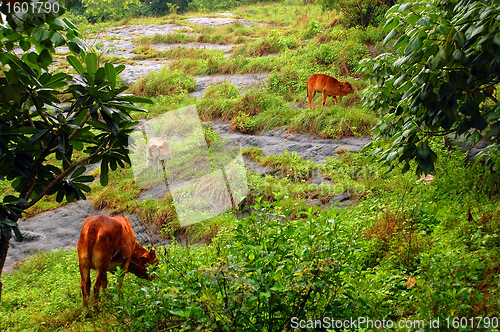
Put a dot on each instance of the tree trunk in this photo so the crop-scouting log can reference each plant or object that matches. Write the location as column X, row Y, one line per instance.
column 4, row 247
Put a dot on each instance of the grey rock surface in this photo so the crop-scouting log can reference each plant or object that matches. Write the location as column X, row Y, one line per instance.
column 241, row 81
column 307, row 146
column 60, row 229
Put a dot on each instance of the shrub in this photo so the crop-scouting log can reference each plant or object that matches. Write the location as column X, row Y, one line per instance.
column 164, row 82
column 291, row 166
column 250, row 279
column 359, row 12
column 222, row 90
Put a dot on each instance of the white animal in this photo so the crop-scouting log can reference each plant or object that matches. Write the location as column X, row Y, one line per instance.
column 157, row 150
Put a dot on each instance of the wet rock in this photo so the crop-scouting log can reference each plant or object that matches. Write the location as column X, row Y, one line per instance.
column 307, row 146
column 242, row 81
column 254, row 166
column 219, row 21
column 132, row 73
column 466, row 146
column 319, row 179
column 217, row 47
column 31, row 236
column 60, row 229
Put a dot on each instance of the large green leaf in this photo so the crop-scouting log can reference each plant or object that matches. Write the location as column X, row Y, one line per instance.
column 110, row 74
column 79, row 171
column 75, row 63
column 91, row 62
column 45, row 59
column 58, row 39
column 390, row 36
column 104, row 171
column 64, row 145
column 414, row 44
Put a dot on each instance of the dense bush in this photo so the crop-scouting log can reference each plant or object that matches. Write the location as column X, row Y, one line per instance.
column 164, row 82
column 255, row 278
column 359, row 12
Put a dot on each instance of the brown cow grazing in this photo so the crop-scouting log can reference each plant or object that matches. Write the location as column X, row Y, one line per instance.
column 330, row 86
column 106, row 243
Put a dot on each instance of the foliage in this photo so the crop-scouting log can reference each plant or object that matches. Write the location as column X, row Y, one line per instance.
column 275, row 43
column 439, row 81
column 41, row 294
column 160, row 8
column 212, row 5
column 290, row 165
column 224, row 90
column 34, row 127
column 164, row 82
column 334, row 121
column 313, row 29
column 100, row 10
column 359, row 12
column 249, row 279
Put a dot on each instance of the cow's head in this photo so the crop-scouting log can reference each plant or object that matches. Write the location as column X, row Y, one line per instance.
column 140, row 260
column 153, row 152
column 346, row 88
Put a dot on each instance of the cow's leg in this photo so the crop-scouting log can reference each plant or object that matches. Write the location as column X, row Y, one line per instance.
column 85, row 284
column 101, row 282
column 160, row 169
column 122, row 276
column 335, row 100
column 325, row 94
column 155, row 165
column 311, row 96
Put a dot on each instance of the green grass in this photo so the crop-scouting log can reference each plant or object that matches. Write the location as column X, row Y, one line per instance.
column 43, row 293
column 420, row 257
column 163, row 82
column 334, row 122
column 418, row 250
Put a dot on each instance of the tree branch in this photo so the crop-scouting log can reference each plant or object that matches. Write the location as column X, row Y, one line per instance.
column 67, row 172
column 39, row 110
column 30, row 182
column 87, row 117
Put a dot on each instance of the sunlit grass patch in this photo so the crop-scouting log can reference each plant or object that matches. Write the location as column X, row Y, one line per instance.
column 163, row 82
column 165, row 103
column 117, row 196
column 334, row 122
column 265, row 46
column 287, row 15
column 43, row 293
column 171, row 38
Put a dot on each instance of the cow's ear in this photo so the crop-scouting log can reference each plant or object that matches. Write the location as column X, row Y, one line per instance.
column 152, row 252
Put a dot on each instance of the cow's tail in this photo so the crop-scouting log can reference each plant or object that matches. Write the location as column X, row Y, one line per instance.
column 91, row 241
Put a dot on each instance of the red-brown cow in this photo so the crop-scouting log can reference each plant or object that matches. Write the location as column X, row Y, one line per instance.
column 329, row 86
column 106, row 243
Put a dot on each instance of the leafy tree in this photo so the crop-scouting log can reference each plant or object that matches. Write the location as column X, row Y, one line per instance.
column 104, row 9
column 439, row 82
column 74, row 5
column 43, row 145
column 163, row 7
column 359, row 12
